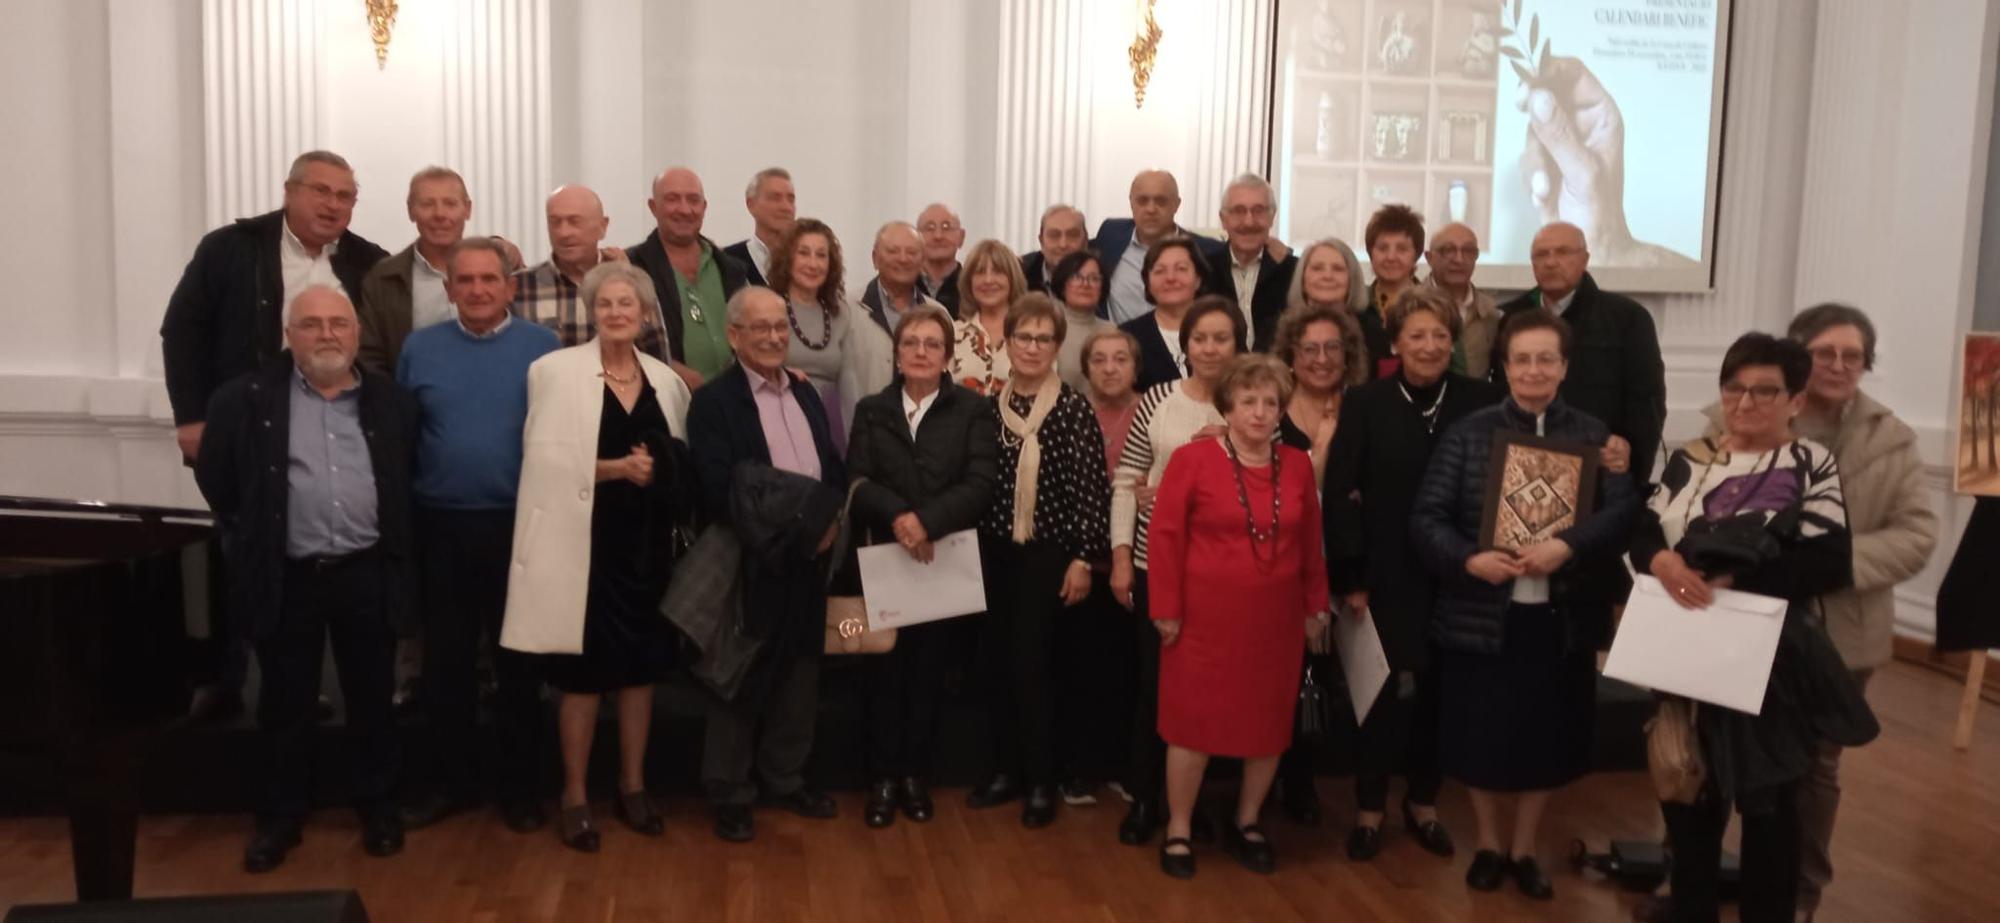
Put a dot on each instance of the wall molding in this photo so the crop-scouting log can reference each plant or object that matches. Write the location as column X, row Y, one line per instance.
column 261, row 99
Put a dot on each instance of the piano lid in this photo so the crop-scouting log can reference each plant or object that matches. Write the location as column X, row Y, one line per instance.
column 38, row 533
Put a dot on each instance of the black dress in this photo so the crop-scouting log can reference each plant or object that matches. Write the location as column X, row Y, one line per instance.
column 625, row 640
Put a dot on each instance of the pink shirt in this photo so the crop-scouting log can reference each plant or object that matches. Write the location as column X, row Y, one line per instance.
column 786, row 432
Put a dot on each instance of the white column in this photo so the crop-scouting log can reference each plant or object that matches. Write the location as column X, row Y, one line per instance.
column 261, row 99
column 495, row 114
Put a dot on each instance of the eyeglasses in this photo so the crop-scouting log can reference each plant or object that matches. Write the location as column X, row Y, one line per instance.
column 761, row 330
column 1248, row 211
column 1456, row 253
column 1760, row 395
column 926, row 344
column 324, row 191
column 1330, row 350
column 1832, row 357
column 937, row 227
column 1025, row 340
column 1083, row 279
column 314, row 325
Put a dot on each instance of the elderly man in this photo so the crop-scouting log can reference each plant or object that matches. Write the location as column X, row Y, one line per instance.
column 760, row 412
column 1453, row 254
column 549, row 293
column 406, row 292
column 692, row 277
column 942, row 235
column 1155, row 197
column 470, row 381
column 1615, row 371
column 893, row 292
column 773, row 205
column 1254, row 268
column 1062, row 233
column 223, row 319
column 306, row 464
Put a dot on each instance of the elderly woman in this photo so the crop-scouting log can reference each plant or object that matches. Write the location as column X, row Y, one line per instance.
column 845, row 360
column 923, row 456
column 1236, row 583
column 1394, row 236
column 1388, row 428
column 1518, row 628
column 1170, row 415
column 988, row 286
column 1078, row 280
column 1173, row 272
column 1761, row 510
column 1329, row 276
column 588, row 577
column 1047, row 523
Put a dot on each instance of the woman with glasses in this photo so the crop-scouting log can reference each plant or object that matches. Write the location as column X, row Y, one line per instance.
column 845, row 360
column 988, row 286
column 1048, row 521
column 1760, row 509
column 923, row 453
column 1078, row 280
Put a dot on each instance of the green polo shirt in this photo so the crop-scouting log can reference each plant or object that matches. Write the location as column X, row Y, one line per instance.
column 704, row 317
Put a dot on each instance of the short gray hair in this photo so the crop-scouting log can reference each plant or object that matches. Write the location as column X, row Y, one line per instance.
column 485, row 244
column 434, row 172
column 1050, row 211
column 329, row 158
column 768, row 173
column 887, row 225
column 1252, row 181
column 287, row 319
column 614, row 271
column 739, row 302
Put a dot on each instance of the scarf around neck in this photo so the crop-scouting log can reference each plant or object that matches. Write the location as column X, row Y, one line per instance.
column 1027, row 472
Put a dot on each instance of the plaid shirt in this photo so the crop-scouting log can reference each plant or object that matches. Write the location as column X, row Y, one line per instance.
column 547, row 297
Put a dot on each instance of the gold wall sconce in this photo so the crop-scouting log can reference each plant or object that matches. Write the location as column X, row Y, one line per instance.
column 381, row 21
column 1144, row 51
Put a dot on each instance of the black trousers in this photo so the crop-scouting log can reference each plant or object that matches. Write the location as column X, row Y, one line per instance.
column 465, row 556
column 1400, row 736
column 1770, row 880
column 906, row 688
column 1146, row 767
column 1094, row 665
column 341, row 600
column 1297, row 770
column 774, row 736
column 1017, row 654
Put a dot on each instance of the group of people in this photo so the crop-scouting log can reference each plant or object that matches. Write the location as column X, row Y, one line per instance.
column 1183, row 457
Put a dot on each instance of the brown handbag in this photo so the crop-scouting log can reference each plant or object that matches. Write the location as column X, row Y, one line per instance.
column 1673, row 752
column 847, row 630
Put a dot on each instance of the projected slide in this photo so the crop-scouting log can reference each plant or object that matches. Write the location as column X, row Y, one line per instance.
column 1507, row 115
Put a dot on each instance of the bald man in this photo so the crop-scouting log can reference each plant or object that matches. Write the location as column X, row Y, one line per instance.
column 691, row 275
column 1155, row 198
column 1452, row 257
column 548, row 293
column 1615, row 370
column 898, row 256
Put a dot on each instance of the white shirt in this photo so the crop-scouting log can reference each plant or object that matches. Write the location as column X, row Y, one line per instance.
column 1560, row 305
column 1173, row 340
column 1533, row 591
column 1246, row 285
column 1128, row 284
column 302, row 270
column 428, row 303
column 761, row 255
column 499, row 328
column 914, row 410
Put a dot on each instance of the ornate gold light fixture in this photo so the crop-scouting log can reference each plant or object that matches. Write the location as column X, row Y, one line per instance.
column 1145, row 49
column 381, row 20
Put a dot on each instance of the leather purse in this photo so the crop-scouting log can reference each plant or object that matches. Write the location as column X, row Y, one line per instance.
column 847, row 630
column 1673, row 752
column 1315, row 714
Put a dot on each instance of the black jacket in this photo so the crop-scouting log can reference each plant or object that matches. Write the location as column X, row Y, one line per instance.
column 651, row 255
column 243, row 470
column 1470, row 613
column 740, row 252
column 947, row 289
column 1156, row 363
column 1274, row 282
column 1036, row 269
column 1615, row 370
column 1373, row 469
column 945, row 475
column 226, row 316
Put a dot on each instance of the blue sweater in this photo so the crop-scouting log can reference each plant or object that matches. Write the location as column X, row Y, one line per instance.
column 473, row 399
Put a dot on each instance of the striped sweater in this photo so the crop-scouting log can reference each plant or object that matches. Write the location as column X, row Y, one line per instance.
column 1166, row 420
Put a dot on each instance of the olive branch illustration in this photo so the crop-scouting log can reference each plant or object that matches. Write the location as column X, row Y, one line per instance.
column 1527, row 61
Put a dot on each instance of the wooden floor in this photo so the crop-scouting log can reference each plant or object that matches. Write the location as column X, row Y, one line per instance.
column 1919, row 840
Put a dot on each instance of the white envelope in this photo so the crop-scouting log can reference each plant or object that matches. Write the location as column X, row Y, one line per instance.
column 1720, row 655
column 900, row 591
column 1362, row 659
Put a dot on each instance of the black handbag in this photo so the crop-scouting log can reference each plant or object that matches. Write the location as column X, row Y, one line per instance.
column 1315, row 713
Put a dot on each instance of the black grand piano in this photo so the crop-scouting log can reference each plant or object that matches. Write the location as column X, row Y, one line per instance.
column 94, row 655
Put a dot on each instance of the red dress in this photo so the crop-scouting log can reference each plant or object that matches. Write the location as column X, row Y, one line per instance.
column 1229, row 685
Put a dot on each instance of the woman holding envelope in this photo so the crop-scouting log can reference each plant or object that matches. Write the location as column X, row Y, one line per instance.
column 1049, row 519
column 1388, row 428
column 1759, row 510
column 924, row 453
column 1517, row 627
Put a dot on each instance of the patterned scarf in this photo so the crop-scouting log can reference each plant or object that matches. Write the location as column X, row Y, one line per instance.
column 1028, row 472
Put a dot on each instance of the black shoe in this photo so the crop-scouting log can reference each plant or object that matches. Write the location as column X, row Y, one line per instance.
column 382, row 836
column 1177, row 865
column 917, row 804
column 807, row 802
column 1301, row 804
column 1040, row 811
column 1141, row 821
column 1364, row 843
column 522, row 816
column 733, row 823
column 579, row 831
column 1488, row 870
column 427, row 811
column 267, row 848
column 1430, row 834
column 1255, row 855
column 1076, row 793
column 880, row 810
column 637, row 811
column 997, row 791
column 1529, row 879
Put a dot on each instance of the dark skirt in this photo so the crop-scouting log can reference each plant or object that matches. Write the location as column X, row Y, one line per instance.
column 626, row 642
column 1519, row 720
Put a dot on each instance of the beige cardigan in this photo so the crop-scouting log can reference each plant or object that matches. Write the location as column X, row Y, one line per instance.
column 1894, row 528
column 548, row 578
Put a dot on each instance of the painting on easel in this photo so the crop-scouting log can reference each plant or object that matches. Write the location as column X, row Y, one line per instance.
column 1977, row 461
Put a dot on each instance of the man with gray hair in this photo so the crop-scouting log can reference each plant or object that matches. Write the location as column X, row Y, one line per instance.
column 1255, row 268
column 305, row 462
column 1453, row 255
column 407, row 291
column 941, row 234
column 898, row 256
column 1062, row 233
column 773, row 206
